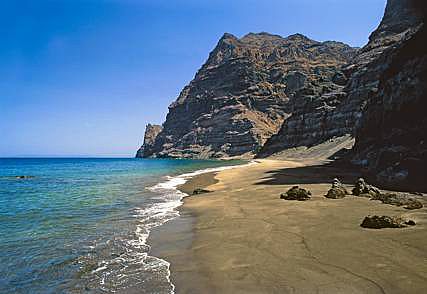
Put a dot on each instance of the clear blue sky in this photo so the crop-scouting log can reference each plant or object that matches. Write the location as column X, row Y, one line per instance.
column 84, row 77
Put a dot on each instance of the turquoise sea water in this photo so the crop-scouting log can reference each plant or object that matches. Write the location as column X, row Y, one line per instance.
column 80, row 225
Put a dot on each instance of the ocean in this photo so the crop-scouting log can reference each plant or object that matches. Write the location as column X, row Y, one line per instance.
column 74, row 225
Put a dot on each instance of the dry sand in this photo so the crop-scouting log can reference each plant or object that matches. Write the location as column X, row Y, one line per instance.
column 242, row 238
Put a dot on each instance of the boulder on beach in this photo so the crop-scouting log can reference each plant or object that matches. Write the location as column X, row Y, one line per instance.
column 337, row 190
column 399, row 199
column 200, row 191
column 380, row 222
column 363, row 189
column 413, row 204
column 296, row 193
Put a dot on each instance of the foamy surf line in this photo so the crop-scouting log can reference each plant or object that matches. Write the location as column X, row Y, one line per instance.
column 175, row 182
column 168, row 190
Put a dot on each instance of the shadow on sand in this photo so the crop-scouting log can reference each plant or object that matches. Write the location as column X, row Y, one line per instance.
column 315, row 174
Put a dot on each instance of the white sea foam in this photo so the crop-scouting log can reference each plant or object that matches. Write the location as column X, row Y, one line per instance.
column 123, row 261
column 157, row 214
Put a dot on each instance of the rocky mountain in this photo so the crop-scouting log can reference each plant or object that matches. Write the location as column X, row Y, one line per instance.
column 263, row 94
column 319, row 118
column 243, row 93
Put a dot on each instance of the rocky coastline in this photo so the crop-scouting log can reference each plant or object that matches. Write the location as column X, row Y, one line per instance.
column 263, row 94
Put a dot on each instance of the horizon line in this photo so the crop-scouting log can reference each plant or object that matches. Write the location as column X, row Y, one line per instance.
column 66, row 156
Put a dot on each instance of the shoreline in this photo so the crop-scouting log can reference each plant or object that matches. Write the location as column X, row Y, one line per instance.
column 241, row 238
column 179, row 185
column 201, row 181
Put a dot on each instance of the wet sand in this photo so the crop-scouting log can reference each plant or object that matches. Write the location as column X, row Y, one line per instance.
column 242, row 238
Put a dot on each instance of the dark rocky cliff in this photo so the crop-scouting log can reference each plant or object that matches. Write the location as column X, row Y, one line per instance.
column 322, row 117
column 391, row 142
column 243, row 93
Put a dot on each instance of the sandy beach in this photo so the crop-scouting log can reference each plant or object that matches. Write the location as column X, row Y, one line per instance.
column 241, row 238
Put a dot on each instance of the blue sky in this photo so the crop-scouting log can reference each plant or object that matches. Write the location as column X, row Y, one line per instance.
column 84, row 77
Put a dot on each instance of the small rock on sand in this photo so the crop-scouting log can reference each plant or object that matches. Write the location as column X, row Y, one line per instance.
column 380, row 222
column 200, row 191
column 337, row 190
column 363, row 189
column 296, row 193
column 399, row 199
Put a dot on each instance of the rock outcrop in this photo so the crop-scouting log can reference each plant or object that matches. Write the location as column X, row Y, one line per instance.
column 384, row 221
column 246, row 89
column 296, row 193
column 199, row 191
column 399, row 199
column 151, row 133
column 363, row 189
column 337, row 191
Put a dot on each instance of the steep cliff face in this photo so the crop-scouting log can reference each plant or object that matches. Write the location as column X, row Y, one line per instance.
column 399, row 16
column 391, row 142
column 151, row 133
column 339, row 112
column 246, row 89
